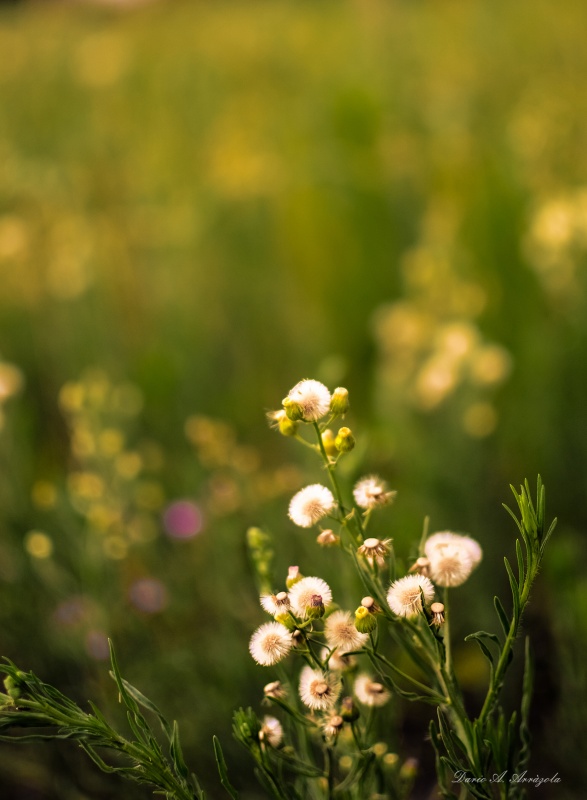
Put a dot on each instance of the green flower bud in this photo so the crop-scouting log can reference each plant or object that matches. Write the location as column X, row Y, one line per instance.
column 13, row 688
column 345, row 441
column 339, row 402
column 348, row 710
column 365, row 621
column 409, row 769
column 328, row 442
column 293, row 409
column 293, row 576
column 287, row 427
column 286, row 620
column 316, row 608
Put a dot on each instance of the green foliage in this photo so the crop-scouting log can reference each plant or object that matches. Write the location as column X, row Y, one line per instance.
column 40, row 706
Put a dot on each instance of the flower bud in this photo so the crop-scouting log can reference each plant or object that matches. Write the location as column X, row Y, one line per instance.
column 329, row 443
column 339, row 402
column 409, row 769
column 345, row 441
column 365, row 621
column 293, row 576
column 316, row 608
column 13, row 688
column 292, row 409
column 286, row 620
column 287, row 427
column 348, row 710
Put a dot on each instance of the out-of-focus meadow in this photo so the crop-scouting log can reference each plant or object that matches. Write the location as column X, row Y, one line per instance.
column 201, row 204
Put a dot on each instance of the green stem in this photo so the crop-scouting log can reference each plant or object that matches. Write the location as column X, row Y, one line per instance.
column 331, row 470
column 447, row 647
column 504, row 657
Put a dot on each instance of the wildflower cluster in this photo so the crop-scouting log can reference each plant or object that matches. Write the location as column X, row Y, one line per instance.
column 342, row 684
column 348, row 671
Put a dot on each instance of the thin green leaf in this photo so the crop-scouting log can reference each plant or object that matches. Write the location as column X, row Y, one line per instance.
column 521, row 569
column 503, row 617
column 297, row 765
column 548, row 535
column 222, row 771
column 177, row 754
column 115, row 674
column 515, row 589
column 149, row 705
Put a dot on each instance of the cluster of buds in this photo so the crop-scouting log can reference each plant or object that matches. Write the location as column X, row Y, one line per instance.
column 309, row 402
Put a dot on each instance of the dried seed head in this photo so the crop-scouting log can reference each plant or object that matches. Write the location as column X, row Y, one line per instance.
column 375, row 550
column 437, row 610
column 327, row 538
column 421, row 566
column 333, row 725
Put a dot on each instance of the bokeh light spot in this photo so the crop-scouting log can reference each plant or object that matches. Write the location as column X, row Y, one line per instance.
column 38, row 544
column 149, row 595
column 182, row 519
column 97, row 645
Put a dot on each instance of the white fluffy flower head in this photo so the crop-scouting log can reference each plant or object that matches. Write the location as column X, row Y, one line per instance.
column 371, row 492
column 370, row 692
column 312, row 398
column 341, row 633
column 450, row 565
column 271, row 732
column 303, row 594
column 270, row 643
column 440, row 540
column 319, row 690
column 452, row 557
column 275, row 604
column 310, row 504
column 404, row 595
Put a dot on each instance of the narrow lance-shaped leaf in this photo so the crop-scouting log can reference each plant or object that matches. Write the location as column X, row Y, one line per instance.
column 222, row 771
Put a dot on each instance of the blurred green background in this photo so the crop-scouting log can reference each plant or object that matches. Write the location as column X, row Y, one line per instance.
column 201, row 204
